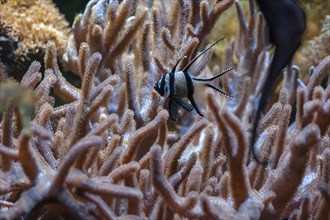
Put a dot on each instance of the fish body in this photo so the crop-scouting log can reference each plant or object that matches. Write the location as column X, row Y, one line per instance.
column 178, row 90
column 178, row 85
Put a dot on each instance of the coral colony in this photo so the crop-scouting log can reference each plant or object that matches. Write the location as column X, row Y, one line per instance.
column 109, row 149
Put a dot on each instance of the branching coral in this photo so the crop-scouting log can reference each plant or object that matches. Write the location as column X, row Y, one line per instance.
column 110, row 152
column 316, row 49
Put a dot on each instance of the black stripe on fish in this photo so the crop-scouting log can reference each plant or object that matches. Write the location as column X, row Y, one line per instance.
column 190, row 92
column 162, row 85
column 172, row 83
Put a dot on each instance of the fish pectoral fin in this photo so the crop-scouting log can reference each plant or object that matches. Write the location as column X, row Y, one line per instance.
column 173, row 109
column 185, row 105
column 192, row 101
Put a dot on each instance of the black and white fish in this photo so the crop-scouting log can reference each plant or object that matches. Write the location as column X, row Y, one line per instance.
column 177, row 85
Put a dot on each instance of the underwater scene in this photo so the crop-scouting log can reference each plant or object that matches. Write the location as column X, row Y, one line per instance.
column 164, row 109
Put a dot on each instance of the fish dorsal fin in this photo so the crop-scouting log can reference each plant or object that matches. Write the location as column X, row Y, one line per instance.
column 174, row 68
column 196, row 57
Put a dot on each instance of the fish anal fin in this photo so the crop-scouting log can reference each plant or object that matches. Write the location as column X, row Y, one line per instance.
column 192, row 101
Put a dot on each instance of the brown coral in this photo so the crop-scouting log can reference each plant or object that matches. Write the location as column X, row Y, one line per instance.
column 317, row 48
column 110, row 152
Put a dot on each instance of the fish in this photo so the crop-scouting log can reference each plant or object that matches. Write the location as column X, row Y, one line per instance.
column 286, row 22
column 178, row 85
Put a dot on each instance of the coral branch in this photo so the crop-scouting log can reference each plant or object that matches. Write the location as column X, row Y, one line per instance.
column 176, row 203
column 62, row 88
column 28, row 158
column 236, row 151
column 7, row 133
column 144, row 138
column 130, row 92
column 8, row 153
column 105, row 188
column 80, row 121
column 290, row 172
column 178, row 148
column 71, row 157
column 320, row 72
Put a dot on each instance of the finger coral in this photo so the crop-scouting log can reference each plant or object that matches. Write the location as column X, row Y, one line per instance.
column 111, row 152
column 315, row 50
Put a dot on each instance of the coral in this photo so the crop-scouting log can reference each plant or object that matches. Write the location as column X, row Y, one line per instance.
column 111, row 152
column 32, row 23
column 317, row 48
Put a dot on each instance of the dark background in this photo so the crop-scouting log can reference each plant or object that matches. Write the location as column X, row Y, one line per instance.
column 70, row 8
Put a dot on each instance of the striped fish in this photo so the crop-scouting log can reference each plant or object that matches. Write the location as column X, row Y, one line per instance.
column 177, row 85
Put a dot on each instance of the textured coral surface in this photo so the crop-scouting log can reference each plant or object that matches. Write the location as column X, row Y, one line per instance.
column 33, row 22
column 111, row 151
